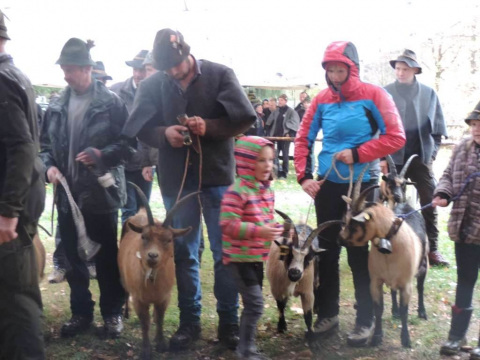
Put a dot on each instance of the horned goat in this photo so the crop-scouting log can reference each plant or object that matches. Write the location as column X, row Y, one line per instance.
column 393, row 190
column 147, row 269
column 378, row 224
column 290, row 270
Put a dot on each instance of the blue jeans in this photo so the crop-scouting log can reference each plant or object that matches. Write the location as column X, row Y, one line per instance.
column 133, row 200
column 187, row 261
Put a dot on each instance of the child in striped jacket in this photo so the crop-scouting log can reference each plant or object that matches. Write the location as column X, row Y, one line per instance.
column 246, row 219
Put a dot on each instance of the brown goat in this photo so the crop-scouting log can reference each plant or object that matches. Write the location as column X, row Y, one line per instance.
column 290, row 270
column 147, row 268
column 377, row 223
column 393, row 190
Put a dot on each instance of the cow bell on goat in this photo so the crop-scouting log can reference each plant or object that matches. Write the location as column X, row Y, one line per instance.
column 383, row 245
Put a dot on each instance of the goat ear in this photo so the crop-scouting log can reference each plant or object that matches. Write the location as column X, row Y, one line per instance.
column 319, row 250
column 362, row 217
column 277, row 243
column 347, row 199
column 180, row 232
column 136, row 228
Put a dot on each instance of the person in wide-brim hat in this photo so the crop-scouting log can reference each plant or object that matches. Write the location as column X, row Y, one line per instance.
column 76, row 52
column 99, row 73
column 3, row 28
column 408, row 57
column 137, row 61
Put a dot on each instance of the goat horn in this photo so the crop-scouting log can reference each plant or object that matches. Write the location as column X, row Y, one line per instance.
column 391, row 165
column 144, row 202
column 364, row 194
column 288, row 220
column 175, row 207
column 318, row 230
column 356, row 190
column 406, row 166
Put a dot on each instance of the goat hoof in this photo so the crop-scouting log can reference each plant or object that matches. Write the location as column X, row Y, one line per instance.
column 422, row 314
column 406, row 343
column 282, row 327
column 161, row 346
column 146, row 354
column 377, row 339
column 309, row 335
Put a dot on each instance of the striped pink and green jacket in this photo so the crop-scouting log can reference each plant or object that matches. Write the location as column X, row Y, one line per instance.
column 247, row 205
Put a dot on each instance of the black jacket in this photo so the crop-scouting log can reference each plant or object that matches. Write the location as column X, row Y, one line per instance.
column 22, row 189
column 216, row 96
column 105, row 119
column 145, row 155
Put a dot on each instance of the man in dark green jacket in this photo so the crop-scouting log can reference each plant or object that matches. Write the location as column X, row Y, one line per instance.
column 81, row 140
column 22, row 196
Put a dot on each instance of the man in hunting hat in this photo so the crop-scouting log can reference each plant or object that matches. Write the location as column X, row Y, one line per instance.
column 210, row 103
column 22, row 196
column 99, row 73
column 138, row 170
column 81, row 140
column 424, row 125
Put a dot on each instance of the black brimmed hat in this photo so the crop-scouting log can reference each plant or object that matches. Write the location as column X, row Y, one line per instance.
column 99, row 72
column 169, row 49
column 76, row 52
column 408, row 57
column 474, row 115
column 137, row 61
column 149, row 59
column 3, row 28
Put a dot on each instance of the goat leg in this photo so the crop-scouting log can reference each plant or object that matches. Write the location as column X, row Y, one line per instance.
column 161, row 343
column 282, row 324
column 307, row 306
column 376, row 289
column 395, row 311
column 143, row 314
column 405, row 335
column 422, row 312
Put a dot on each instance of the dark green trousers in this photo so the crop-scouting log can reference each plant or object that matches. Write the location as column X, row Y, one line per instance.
column 21, row 335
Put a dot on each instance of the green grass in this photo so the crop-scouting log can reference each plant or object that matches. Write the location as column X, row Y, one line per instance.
column 426, row 335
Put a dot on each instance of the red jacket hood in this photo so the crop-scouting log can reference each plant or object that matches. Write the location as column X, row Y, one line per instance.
column 344, row 52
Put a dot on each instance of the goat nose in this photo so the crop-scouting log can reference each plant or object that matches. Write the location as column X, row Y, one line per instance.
column 294, row 274
column 152, row 255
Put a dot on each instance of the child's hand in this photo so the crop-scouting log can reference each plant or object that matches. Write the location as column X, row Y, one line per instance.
column 270, row 231
column 438, row 201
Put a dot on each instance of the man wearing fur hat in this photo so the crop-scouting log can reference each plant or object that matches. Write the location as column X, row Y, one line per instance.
column 22, row 196
column 81, row 140
column 424, row 125
column 216, row 109
column 138, row 170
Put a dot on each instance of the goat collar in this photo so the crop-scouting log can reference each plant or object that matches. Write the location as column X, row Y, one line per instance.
column 394, row 228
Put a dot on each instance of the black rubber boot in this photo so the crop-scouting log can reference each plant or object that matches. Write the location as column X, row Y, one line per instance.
column 458, row 329
column 475, row 354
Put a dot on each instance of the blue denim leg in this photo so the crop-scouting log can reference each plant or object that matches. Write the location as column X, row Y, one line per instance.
column 225, row 288
column 186, row 259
